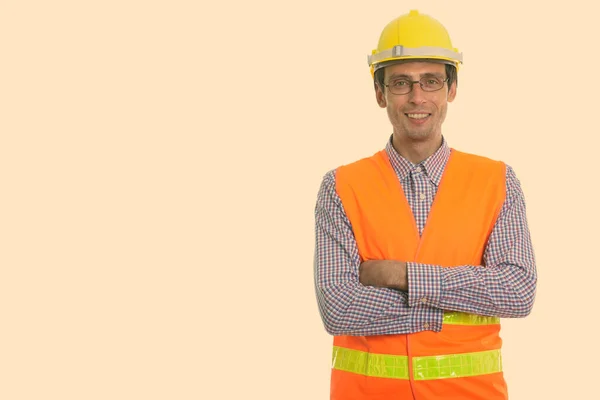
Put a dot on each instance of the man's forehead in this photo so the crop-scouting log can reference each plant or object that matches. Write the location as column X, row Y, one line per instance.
column 415, row 69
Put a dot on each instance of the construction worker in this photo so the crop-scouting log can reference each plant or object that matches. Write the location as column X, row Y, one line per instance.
column 420, row 248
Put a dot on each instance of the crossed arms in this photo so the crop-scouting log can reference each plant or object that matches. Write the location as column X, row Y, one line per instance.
column 379, row 297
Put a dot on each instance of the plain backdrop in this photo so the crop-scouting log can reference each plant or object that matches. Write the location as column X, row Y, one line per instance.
column 159, row 166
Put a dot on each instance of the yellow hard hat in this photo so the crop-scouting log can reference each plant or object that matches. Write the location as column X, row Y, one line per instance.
column 412, row 36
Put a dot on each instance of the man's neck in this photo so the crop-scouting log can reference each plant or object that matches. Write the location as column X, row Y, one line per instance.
column 416, row 151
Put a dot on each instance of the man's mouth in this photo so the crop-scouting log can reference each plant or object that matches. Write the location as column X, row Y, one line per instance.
column 417, row 115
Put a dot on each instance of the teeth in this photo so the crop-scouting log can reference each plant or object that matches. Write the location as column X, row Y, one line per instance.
column 418, row 116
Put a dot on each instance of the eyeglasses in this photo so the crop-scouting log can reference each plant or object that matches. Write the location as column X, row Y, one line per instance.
column 404, row 86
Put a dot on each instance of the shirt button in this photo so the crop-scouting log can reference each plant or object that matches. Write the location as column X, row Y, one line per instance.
column 422, row 196
column 424, row 300
column 426, row 325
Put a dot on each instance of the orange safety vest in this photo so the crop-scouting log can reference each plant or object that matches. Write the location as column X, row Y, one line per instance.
column 463, row 360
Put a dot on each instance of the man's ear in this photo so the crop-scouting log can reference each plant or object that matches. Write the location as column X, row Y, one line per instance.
column 379, row 96
column 452, row 92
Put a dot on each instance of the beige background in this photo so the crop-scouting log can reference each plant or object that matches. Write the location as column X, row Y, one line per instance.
column 160, row 161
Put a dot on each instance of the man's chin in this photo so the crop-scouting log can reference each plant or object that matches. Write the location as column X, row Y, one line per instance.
column 419, row 135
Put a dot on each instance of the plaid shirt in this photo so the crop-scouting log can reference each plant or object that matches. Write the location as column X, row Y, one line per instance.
column 505, row 288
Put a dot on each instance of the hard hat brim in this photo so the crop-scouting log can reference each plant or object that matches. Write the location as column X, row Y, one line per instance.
column 400, row 52
column 387, row 63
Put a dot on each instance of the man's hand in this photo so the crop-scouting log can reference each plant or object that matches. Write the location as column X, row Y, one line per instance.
column 384, row 273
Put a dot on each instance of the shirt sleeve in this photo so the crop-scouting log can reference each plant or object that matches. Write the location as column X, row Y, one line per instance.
column 346, row 306
column 505, row 287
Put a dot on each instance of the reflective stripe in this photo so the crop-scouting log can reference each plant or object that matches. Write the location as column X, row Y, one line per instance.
column 458, row 318
column 369, row 364
column 424, row 368
column 457, row 365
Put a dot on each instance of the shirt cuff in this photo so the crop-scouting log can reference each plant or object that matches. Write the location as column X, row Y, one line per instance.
column 424, row 284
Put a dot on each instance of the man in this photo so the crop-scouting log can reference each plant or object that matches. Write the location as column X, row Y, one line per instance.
column 420, row 248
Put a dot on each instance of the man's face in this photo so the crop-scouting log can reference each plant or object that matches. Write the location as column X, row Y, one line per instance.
column 418, row 115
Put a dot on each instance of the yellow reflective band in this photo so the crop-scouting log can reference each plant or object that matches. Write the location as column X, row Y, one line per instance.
column 459, row 318
column 457, row 365
column 424, row 368
column 369, row 364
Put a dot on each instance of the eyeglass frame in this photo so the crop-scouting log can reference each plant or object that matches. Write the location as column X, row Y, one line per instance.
column 412, row 83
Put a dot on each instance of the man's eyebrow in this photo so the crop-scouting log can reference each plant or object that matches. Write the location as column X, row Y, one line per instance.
column 396, row 76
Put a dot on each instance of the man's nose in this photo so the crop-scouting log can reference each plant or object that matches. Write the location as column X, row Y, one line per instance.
column 417, row 94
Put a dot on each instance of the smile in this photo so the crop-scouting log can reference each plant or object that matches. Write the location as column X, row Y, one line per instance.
column 417, row 116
